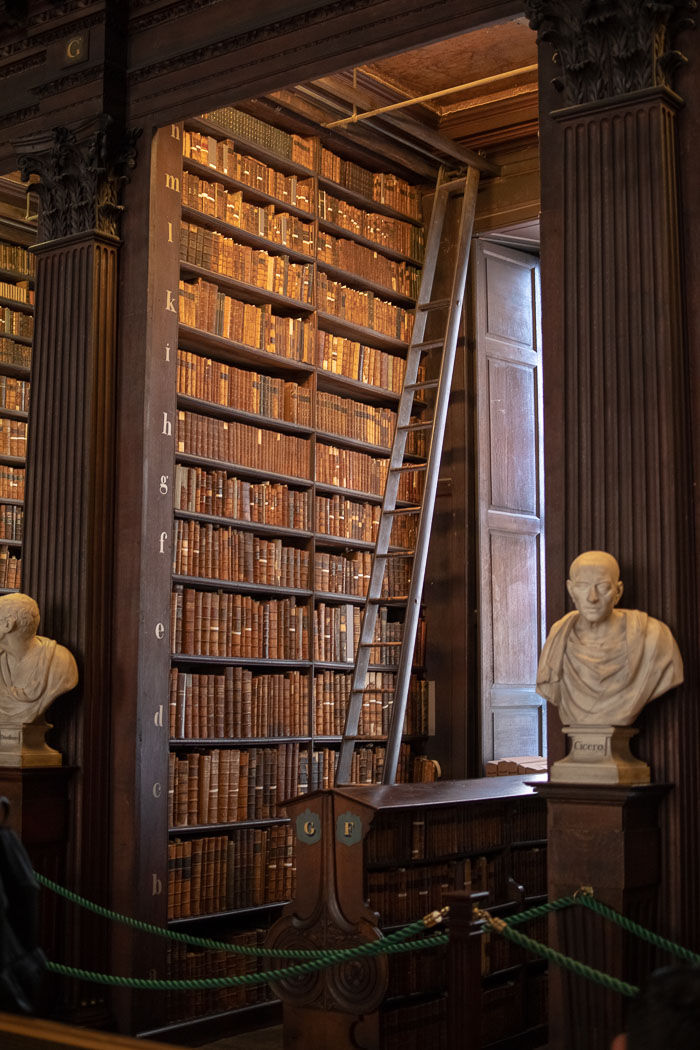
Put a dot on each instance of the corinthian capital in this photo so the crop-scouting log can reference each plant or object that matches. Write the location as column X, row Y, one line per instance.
column 81, row 173
column 607, row 48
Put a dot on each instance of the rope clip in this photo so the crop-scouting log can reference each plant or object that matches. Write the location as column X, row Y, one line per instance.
column 435, row 917
column 584, row 891
column 495, row 924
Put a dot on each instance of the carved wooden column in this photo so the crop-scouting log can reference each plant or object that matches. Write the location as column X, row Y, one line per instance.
column 67, row 552
column 616, row 372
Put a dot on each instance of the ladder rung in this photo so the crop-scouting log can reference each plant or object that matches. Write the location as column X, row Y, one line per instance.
column 402, row 510
column 436, row 304
column 428, row 345
column 395, row 600
column 427, row 384
column 376, row 645
column 396, row 554
column 416, row 426
column 410, row 466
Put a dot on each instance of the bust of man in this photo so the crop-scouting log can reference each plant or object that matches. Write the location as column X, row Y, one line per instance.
column 600, row 665
column 33, row 670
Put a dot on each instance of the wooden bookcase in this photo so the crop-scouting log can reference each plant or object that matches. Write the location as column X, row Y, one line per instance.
column 371, row 858
column 276, row 481
column 16, row 329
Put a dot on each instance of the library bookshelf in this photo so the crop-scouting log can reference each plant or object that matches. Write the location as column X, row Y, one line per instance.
column 16, row 329
column 372, row 858
column 288, row 298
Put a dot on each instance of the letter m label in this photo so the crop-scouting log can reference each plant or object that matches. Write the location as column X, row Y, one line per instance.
column 172, row 182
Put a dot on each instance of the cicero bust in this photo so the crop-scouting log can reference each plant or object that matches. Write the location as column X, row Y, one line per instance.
column 600, row 665
column 33, row 670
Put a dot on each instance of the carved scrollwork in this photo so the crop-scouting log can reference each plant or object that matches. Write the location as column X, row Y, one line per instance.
column 81, row 174
column 606, row 50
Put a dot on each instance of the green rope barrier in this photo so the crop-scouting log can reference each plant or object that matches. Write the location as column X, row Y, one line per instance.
column 206, row 942
column 566, row 963
column 587, row 900
column 331, row 958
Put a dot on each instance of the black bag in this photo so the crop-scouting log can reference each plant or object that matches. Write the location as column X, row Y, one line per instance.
column 22, row 962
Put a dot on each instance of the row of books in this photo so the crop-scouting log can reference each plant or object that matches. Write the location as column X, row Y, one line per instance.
column 13, row 322
column 352, row 520
column 232, row 442
column 332, row 696
column 10, row 569
column 382, row 230
column 11, row 482
column 350, row 573
column 336, row 635
column 365, row 364
column 213, row 199
column 237, row 704
column 225, row 786
column 266, row 502
column 366, row 767
column 529, row 869
column 15, row 257
column 12, row 353
column 185, row 963
column 363, row 308
column 214, row 623
column 510, row 1008
column 19, row 291
column 362, row 472
column 288, row 189
column 13, row 437
column 372, row 265
column 11, row 521
column 414, row 1026
column 417, row 973
column 497, row 953
column 355, row 419
column 223, row 384
column 203, row 306
column 402, row 895
column 217, row 552
column 274, row 273
column 384, row 188
column 14, row 393
column 247, row 868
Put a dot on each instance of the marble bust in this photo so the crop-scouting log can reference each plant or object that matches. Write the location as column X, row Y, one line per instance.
column 601, row 665
column 33, row 672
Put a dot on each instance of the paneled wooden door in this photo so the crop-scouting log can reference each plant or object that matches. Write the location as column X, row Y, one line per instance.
column 510, row 498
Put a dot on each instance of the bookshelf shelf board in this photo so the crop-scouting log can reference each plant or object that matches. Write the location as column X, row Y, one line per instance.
column 239, row 661
column 324, row 539
column 8, row 590
column 249, row 292
column 10, row 543
column 343, row 599
column 233, row 913
column 17, row 304
column 357, row 281
column 406, row 738
column 529, row 844
column 11, row 502
column 233, row 825
column 249, row 147
column 336, row 189
column 12, row 461
column 205, row 583
column 336, row 383
column 247, row 472
column 435, row 858
column 211, row 408
column 383, row 249
column 11, row 413
column 231, row 352
column 364, row 497
column 328, row 665
column 206, row 1021
column 249, row 192
column 14, row 275
column 328, row 438
column 243, row 741
column 25, row 340
column 241, row 236
column 247, row 526
column 340, row 326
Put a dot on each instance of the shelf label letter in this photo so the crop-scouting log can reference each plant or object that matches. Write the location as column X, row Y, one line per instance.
column 175, row 131
column 157, row 790
column 157, row 886
column 160, row 631
column 163, row 538
column 167, row 426
column 172, row 182
column 170, row 233
column 163, row 485
column 348, row 828
column 158, row 716
column 169, row 301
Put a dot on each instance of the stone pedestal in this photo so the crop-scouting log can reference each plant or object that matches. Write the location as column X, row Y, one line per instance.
column 600, row 755
column 24, row 746
column 606, row 837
